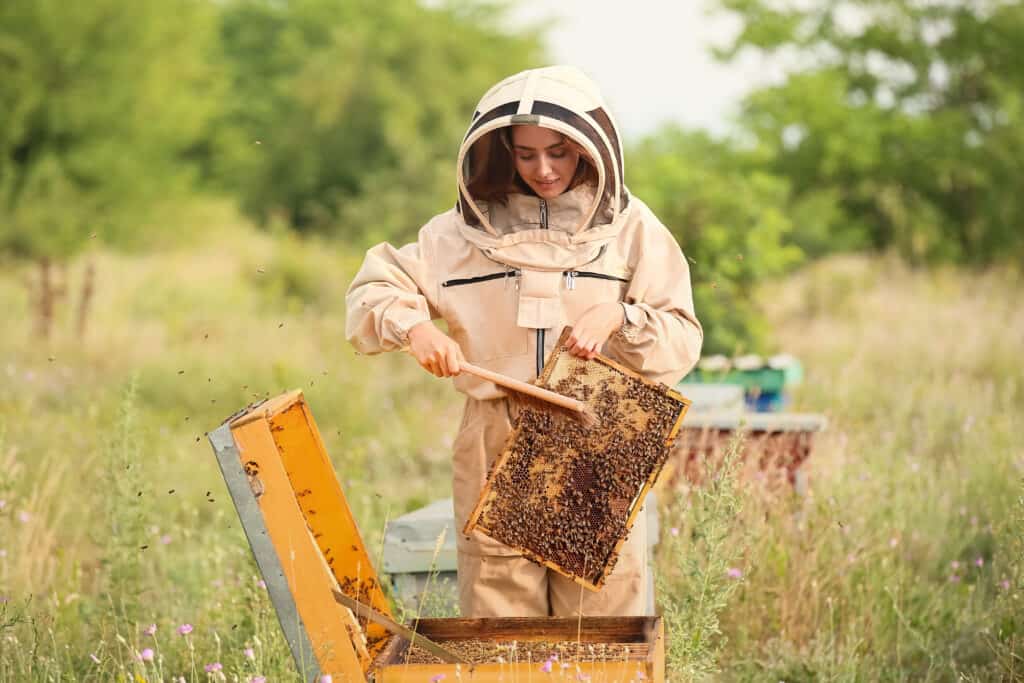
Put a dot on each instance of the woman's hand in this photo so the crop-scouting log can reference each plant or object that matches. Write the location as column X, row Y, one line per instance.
column 438, row 353
column 594, row 327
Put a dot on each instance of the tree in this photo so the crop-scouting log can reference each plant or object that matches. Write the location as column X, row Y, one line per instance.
column 100, row 102
column 346, row 117
column 728, row 216
column 908, row 113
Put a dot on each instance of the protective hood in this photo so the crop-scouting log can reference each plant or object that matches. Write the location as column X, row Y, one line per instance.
column 563, row 99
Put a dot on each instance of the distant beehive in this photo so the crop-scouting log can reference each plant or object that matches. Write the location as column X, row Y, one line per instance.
column 565, row 494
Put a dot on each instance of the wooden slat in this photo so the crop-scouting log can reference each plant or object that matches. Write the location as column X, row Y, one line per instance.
column 591, row 629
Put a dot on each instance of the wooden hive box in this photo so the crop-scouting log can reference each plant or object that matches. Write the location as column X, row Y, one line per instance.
column 306, row 544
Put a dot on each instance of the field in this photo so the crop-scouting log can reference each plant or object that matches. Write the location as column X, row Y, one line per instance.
column 121, row 556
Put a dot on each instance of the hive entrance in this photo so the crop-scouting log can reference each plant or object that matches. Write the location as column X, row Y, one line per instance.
column 565, row 494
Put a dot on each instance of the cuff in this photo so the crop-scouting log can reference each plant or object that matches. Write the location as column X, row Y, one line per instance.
column 404, row 320
column 635, row 320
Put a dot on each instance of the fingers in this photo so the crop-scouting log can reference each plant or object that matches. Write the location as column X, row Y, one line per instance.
column 451, row 358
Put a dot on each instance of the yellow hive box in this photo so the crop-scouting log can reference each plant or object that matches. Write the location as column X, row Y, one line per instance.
column 306, row 544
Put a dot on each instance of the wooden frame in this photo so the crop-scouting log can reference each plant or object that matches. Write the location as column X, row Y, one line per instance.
column 473, row 523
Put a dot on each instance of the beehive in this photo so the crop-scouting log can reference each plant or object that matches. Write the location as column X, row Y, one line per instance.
column 565, row 493
column 307, row 544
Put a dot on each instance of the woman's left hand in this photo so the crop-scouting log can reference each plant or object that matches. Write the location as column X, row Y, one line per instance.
column 594, row 327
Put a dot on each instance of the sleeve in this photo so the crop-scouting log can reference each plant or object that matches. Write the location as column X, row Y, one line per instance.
column 393, row 291
column 661, row 337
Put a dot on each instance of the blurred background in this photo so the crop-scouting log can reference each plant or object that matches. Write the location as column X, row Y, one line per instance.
column 187, row 186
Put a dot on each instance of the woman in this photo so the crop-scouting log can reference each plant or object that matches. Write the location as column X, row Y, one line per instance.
column 544, row 235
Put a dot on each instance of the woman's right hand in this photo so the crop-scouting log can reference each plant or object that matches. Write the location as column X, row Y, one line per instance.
column 438, row 353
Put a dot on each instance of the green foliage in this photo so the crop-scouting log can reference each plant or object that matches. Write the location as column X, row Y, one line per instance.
column 908, row 114
column 100, row 102
column 345, row 117
column 697, row 568
column 728, row 217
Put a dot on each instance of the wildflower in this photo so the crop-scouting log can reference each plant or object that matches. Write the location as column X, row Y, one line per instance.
column 146, row 655
column 734, row 573
column 954, row 579
column 980, row 562
column 150, row 630
column 674, row 531
column 184, row 629
column 212, row 667
column 3, row 504
column 955, row 564
column 249, row 653
column 546, row 667
column 893, row 542
column 24, row 516
column 436, row 677
column 262, row 584
column 165, row 539
column 257, row 679
column 94, row 658
column 1004, row 584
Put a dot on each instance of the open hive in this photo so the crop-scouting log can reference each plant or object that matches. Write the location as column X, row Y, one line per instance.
column 565, row 493
column 306, row 544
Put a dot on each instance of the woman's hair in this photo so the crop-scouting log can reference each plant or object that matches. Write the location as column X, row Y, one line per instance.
column 492, row 167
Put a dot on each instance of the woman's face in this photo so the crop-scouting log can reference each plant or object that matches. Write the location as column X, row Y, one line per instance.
column 545, row 159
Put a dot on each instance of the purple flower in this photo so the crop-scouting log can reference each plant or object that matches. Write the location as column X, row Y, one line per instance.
column 262, row 584
column 674, row 531
column 257, row 679
column 212, row 667
column 150, row 630
column 954, row 579
column 734, row 573
column 146, row 655
column 23, row 517
column 436, row 677
column 249, row 653
column 1004, row 584
column 546, row 667
column 980, row 562
column 165, row 539
column 94, row 658
column 955, row 564
column 184, row 629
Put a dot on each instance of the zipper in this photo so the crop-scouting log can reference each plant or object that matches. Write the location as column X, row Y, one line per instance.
column 479, row 278
column 540, row 333
column 571, row 275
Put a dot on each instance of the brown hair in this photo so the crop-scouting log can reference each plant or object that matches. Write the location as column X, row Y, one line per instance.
column 492, row 167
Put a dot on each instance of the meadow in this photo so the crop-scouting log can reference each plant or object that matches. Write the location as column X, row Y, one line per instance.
column 121, row 556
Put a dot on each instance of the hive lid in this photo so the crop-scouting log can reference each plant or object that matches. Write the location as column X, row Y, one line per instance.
column 302, row 534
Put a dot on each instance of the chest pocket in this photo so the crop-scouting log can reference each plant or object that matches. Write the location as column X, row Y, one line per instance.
column 481, row 314
column 585, row 288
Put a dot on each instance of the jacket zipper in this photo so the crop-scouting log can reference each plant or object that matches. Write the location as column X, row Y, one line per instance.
column 540, row 333
column 571, row 275
column 479, row 278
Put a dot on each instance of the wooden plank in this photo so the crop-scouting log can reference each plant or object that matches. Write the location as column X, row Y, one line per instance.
column 301, row 559
column 326, row 512
column 586, row 672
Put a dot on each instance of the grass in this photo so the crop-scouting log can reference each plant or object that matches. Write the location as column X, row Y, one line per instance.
column 115, row 517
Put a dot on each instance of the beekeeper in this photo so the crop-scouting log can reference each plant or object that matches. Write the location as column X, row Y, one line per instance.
column 544, row 234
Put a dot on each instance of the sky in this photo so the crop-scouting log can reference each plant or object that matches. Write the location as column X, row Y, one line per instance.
column 650, row 58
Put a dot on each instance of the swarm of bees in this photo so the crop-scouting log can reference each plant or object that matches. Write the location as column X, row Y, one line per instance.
column 563, row 652
column 564, row 492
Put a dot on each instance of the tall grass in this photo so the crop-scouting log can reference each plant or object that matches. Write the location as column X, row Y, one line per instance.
column 115, row 517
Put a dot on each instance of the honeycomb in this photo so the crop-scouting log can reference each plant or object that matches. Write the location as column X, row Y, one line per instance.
column 565, row 493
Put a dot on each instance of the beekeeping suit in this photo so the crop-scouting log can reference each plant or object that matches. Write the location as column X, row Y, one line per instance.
column 506, row 278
